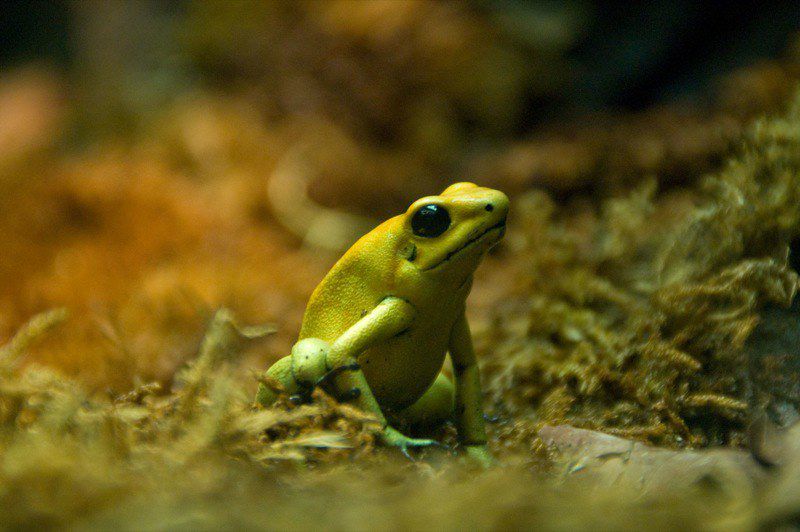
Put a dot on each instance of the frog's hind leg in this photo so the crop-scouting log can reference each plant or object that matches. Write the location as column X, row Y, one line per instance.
column 434, row 408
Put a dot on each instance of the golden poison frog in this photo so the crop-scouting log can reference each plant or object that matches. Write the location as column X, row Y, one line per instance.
column 378, row 327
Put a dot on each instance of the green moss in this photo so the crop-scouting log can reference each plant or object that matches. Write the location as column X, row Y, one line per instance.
column 634, row 322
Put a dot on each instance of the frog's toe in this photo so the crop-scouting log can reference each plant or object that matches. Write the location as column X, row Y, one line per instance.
column 413, row 442
column 404, row 450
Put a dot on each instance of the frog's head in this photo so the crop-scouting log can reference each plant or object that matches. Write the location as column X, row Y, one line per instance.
column 453, row 230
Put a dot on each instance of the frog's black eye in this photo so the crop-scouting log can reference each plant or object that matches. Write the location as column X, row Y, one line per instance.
column 430, row 221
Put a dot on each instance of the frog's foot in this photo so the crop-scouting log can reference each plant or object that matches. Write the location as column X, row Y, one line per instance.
column 394, row 438
column 415, row 442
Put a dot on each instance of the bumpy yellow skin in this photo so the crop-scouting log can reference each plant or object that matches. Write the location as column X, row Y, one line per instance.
column 394, row 304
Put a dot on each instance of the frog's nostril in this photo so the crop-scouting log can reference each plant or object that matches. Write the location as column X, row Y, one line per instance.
column 489, row 207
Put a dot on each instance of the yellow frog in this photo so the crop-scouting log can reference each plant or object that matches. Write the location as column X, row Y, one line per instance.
column 381, row 322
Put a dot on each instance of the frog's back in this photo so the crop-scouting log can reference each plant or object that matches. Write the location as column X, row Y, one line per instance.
column 353, row 287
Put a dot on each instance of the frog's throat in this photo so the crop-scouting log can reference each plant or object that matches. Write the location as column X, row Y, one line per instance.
column 501, row 226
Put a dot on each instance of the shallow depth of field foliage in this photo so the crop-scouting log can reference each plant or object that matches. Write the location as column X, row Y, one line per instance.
column 161, row 234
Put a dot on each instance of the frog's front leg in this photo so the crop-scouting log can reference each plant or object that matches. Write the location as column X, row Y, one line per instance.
column 468, row 401
column 310, row 369
column 389, row 318
column 309, row 361
column 281, row 373
column 298, row 374
column 301, row 372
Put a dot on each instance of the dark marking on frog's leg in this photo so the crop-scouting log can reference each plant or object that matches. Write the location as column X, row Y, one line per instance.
column 327, row 379
column 404, row 332
column 304, row 390
column 335, row 372
column 303, row 396
column 350, row 395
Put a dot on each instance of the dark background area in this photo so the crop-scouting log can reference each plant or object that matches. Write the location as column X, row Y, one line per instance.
column 626, row 56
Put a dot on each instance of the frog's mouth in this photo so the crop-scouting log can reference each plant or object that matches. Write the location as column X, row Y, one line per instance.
column 500, row 226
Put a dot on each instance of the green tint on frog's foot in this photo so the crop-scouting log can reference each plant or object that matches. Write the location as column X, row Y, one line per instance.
column 395, row 438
